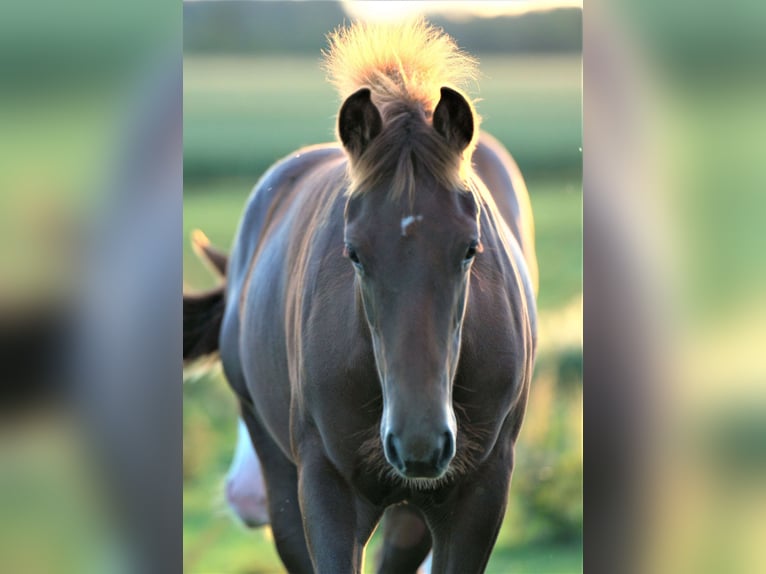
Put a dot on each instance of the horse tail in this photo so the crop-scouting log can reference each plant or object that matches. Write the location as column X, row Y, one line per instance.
column 203, row 312
column 203, row 315
column 216, row 259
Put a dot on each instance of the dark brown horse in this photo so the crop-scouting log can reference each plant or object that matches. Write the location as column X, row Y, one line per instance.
column 378, row 318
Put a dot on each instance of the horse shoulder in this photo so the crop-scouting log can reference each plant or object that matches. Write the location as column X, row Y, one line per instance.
column 272, row 191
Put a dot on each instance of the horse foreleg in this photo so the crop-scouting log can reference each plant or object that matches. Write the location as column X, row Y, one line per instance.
column 337, row 523
column 281, row 480
column 465, row 527
column 406, row 541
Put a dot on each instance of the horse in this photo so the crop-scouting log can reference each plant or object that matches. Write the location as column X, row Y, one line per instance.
column 377, row 322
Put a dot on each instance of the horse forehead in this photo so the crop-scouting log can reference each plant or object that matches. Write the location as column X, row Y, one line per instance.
column 428, row 214
column 407, row 222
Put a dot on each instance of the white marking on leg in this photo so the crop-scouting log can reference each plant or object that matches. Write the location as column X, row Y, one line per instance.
column 245, row 488
column 425, row 568
column 409, row 220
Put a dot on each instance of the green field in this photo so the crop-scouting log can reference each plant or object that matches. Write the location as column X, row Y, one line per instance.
column 240, row 115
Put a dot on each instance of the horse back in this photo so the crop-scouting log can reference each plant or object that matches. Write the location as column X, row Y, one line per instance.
column 502, row 177
column 492, row 162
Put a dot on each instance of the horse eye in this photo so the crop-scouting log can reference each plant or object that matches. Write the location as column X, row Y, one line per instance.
column 472, row 251
column 350, row 252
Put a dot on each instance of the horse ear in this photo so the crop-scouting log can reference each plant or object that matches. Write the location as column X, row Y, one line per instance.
column 359, row 122
column 453, row 119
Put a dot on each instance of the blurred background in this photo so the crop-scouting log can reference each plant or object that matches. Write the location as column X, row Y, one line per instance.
column 90, row 278
column 253, row 93
column 675, row 297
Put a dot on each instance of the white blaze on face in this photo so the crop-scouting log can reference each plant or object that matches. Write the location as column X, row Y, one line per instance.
column 245, row 489
column 409, row 220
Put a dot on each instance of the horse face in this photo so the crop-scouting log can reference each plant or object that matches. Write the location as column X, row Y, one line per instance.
column 412, row 271
column 412, row 256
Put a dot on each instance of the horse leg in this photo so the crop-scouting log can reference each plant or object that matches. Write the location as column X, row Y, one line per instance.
column 406, row 541
column 245, row 489
column 337, row 523
column 465, row 527
column 281, row 478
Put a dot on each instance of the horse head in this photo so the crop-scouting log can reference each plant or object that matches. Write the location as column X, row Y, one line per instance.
column 412, row 234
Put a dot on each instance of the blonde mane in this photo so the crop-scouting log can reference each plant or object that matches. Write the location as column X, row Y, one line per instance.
column 404, row 66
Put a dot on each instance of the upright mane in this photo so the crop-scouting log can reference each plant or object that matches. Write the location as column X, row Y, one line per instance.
column 404, row 66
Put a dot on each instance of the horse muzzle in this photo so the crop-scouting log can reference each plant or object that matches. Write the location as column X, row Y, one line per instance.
column 420, row 456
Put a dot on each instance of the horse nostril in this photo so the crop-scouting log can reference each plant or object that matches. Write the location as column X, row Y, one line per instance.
column 392, row 452
column 448, row 450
